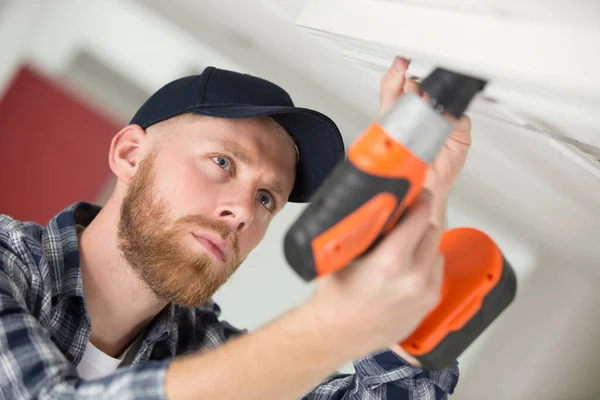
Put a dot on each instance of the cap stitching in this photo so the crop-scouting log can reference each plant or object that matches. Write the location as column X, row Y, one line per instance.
column 204, row 85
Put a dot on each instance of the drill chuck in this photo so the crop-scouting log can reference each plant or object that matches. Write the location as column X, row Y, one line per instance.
column 450, row 91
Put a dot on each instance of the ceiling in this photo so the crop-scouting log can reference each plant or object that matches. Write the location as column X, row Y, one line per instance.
column 517, row 176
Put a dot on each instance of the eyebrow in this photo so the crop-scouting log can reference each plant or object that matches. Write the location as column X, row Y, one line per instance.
column 278, row 189
column 237, row 152
column 240, row 154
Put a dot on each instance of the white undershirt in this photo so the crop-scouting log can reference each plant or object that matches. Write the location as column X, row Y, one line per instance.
column 96, row 364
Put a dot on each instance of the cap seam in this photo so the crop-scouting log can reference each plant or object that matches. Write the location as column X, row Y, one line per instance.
column 202, row 88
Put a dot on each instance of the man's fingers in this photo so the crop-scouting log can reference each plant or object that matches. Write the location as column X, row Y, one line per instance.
column 463, row 124
column 427, row 273
column 409, row 231
column 392, row 84
column 412, row 86
column 462, row 131
column 438, row 273
column 428, row 248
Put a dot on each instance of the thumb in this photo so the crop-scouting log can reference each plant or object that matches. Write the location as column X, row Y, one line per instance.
column 462, row 131
column 410, row 229
column 392, row 84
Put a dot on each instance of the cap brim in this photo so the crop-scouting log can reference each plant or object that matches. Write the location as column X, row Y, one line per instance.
column 319, row 141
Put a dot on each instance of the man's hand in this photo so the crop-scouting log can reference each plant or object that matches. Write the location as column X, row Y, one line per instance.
column 405, row 356
column 383, row 296
column 450, row 161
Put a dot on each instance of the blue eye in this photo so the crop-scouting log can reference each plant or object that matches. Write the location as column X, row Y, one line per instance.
column 265, row 199
column 222, row 162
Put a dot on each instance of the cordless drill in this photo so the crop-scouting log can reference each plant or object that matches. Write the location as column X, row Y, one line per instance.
column 367, row 194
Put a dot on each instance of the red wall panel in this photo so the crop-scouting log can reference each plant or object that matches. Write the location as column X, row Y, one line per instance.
column 53, row 148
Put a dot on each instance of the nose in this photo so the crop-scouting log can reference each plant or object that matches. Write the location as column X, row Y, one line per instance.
column 237, row 213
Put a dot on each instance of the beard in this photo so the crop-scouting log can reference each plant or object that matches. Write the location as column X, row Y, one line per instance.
column 152, row 245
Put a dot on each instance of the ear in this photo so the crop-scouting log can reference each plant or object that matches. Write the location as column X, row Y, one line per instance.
column 125, row 149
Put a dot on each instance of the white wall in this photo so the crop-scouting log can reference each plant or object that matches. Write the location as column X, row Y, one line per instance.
column 546, row 347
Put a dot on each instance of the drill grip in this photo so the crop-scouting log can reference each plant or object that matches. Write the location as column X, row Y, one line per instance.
column 358, row 203
column 346, row 218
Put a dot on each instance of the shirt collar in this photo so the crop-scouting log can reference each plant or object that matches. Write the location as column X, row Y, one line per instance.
column 62, row 245
column 163, row 326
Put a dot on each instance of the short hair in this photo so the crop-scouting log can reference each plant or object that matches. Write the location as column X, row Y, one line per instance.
column 285, row 134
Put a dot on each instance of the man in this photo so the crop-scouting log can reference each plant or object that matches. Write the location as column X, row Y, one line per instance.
column 116, row 302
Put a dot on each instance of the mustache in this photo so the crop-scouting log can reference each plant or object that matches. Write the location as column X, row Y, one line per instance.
column 218, row 227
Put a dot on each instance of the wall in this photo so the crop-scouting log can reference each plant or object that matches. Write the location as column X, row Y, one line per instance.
column 551, row 334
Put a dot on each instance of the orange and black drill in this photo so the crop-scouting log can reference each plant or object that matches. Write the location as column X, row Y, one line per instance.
column 366, row 195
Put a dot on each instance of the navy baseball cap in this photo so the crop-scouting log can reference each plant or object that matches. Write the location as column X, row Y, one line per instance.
column 228, row 94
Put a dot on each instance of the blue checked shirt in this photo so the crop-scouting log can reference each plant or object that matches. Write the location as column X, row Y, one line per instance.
column 44, row 328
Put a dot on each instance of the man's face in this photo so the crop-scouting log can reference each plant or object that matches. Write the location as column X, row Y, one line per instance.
column 202, row 201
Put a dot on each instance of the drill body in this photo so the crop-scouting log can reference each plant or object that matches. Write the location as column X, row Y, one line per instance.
column 367, row 194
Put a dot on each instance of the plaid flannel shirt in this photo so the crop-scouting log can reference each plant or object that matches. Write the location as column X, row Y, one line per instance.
column 44, row 328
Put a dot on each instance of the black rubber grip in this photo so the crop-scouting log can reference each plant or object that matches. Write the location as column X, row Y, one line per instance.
column 344, row 191
column 496, row 301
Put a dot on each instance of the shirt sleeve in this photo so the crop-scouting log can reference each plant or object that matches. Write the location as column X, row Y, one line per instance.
column 32, row 366
column 386, row 376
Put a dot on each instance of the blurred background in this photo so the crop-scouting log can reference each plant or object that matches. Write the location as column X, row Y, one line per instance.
column 72, row 73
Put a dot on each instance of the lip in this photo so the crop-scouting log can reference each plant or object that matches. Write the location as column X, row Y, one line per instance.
column 213, row 243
